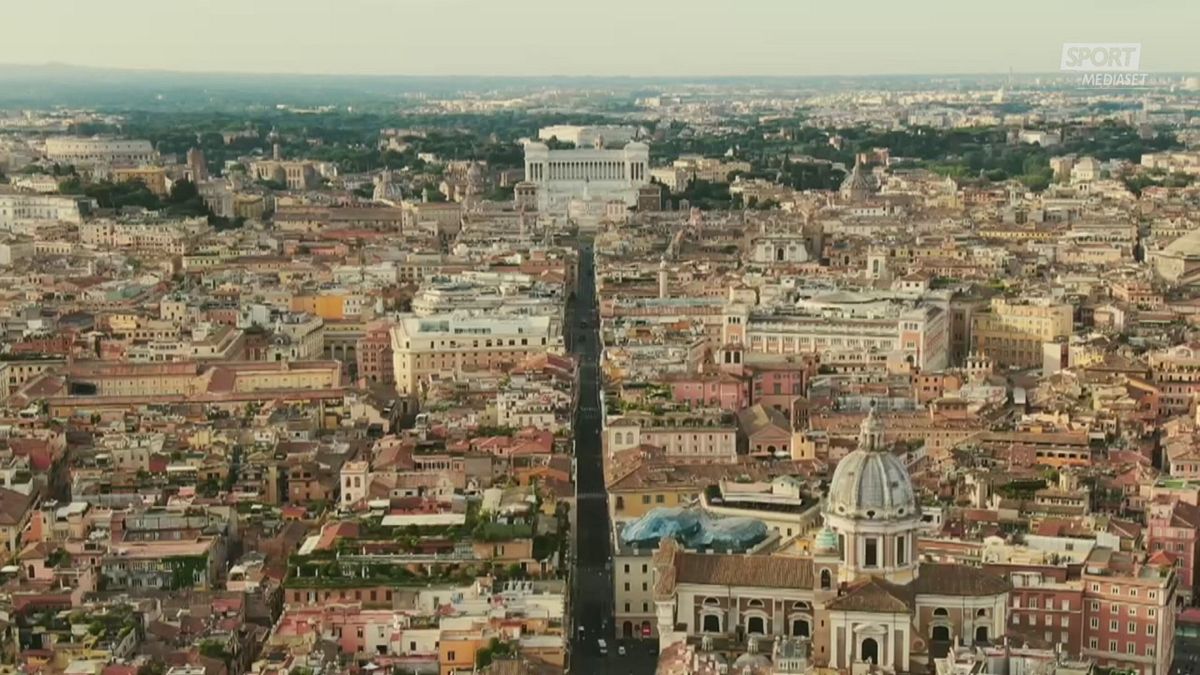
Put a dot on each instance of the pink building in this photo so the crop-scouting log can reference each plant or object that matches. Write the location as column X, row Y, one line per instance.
column 1173, row 529
column 777, row 386
column 374, row 354
column 722, row 390
column 1129, row 610
column 355, row 630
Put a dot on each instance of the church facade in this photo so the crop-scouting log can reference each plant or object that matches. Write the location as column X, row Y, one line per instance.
column 862, row 597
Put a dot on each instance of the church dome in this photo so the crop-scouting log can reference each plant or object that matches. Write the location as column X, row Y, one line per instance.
column 871, row 483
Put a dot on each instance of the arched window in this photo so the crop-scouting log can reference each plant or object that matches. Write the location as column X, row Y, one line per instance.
column 755, row 603
column 711, row 624
column 826, row 580
column 800, row 628
column 982, row 613
column 801, row 605
column 868, row 651
column 981, row 634
column 756, row 625
column 940, row 634
column 941, row 611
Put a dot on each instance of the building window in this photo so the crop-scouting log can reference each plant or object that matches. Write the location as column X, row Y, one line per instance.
column 826, row 580
column 1093, row 643
column 871, row 557
column 756, row 625
column 1112, row 646
column 1150, row 629
column 901, row 550
column 1113, row 625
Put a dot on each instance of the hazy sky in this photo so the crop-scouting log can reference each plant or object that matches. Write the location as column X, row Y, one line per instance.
column 599, row 37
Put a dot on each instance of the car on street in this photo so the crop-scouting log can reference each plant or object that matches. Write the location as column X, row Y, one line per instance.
column 620, row 650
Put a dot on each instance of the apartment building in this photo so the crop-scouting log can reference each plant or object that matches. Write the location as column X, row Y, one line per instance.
column 1012, row 332
column 430, row 347
column 843, row 327
column 1175, row 529
column 683, row 437
column 1176, row 373
column 173, row 237
column 165, row 565
column 373, row 354
column 1130, row 610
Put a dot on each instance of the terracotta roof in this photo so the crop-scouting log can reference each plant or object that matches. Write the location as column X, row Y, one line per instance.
column 13, row 506
column 1162, row 559
column 875, row 595
column 944, row 579
column 744, row 570
column 758, row 417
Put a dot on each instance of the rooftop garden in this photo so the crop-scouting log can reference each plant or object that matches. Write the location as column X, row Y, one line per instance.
column 492, row 531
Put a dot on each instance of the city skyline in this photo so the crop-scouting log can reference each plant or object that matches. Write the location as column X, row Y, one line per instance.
column 536, row 38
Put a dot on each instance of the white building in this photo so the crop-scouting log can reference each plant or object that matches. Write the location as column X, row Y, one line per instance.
column 564, row 176
column 843, row 326
column 428, row 348
column 1039, row 137
column 74, row 150
column 22, row 210
column 1085, row 170
column 587, row 136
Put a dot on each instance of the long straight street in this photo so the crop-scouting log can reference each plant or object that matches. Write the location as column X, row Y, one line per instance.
column 592, row 581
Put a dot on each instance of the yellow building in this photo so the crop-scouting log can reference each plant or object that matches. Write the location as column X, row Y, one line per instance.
column 153, row 177
column 1013, row 332
column 457, row 649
